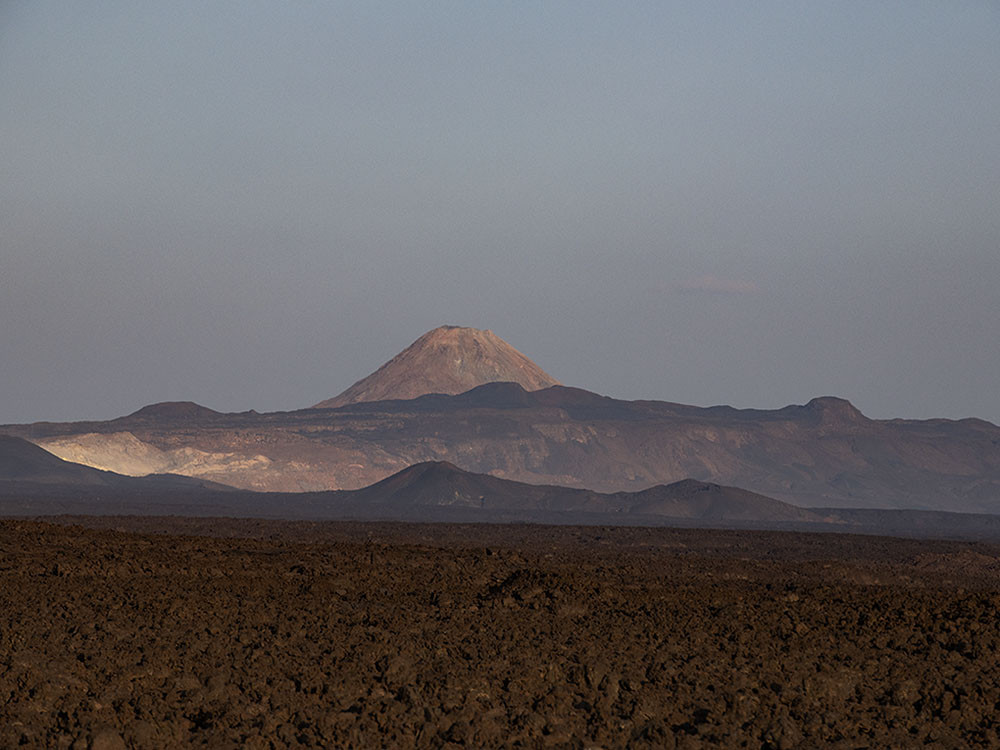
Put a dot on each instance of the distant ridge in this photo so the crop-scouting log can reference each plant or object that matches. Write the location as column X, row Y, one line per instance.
column 26, row 469
column 690, row 498
column 448, row 360
column 173, row 410
column 36, row 483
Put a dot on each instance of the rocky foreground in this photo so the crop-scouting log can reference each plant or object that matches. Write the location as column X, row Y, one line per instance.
column 274, row 635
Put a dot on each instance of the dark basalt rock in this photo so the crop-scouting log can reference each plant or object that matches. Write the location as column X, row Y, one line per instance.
column 364, row 635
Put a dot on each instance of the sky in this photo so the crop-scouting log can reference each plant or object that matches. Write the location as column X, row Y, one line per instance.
column 252, row 205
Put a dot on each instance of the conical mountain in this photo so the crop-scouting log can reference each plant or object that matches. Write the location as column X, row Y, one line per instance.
column 448, row 360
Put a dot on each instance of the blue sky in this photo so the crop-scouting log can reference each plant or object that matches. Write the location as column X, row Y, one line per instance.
column 252, row 205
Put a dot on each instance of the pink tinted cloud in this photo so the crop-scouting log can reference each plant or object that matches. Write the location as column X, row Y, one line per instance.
column 715, row 285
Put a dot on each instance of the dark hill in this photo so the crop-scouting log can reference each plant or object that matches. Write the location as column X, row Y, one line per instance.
column 690, row 498
column 439, row 483
column 442, row 484
column 172, row 411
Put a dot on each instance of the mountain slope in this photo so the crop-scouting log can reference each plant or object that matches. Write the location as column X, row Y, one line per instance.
column 33, row 483
column 446, row 360
column 821, row 454
column 690, row 498
column 21, row 461
column 442, row 484
column 28, row 468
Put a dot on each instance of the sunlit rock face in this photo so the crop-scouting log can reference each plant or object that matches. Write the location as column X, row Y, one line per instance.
column 446, row 360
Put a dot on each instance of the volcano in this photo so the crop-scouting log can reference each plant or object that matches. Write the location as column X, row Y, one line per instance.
column 447, row 360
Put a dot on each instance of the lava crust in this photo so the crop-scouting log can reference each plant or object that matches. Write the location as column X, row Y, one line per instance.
column 279, row 635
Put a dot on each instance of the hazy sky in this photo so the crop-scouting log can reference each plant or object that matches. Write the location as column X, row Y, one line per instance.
column 254, row 204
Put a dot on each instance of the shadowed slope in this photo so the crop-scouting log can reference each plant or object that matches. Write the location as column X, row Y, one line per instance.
column 690, row 498
column 26, row 468
column 173, row 410
column 33, row 483
column 29, row 468
column 439, row 484
column 21, row 461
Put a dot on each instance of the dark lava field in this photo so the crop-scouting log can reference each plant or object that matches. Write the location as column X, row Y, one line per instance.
column 156, row 633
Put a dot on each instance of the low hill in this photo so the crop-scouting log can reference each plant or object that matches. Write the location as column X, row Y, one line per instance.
column 442, row 484
column 690, row 498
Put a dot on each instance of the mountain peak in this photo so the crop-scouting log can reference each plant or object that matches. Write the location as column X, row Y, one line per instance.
column 449, row 360
column 173, row 410
column 834, row 410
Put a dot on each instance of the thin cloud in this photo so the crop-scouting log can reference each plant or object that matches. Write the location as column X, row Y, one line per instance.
column 715, row 285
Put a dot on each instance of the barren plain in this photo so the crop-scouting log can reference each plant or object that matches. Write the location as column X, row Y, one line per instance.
column 151, row 632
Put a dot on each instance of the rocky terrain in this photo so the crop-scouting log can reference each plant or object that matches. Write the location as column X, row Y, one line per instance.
column 268, row 635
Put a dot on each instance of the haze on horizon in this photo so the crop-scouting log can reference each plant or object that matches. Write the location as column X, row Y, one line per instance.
column 252, row 205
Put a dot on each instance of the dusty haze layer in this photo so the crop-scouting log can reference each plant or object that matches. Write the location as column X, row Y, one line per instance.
column 449, row 360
